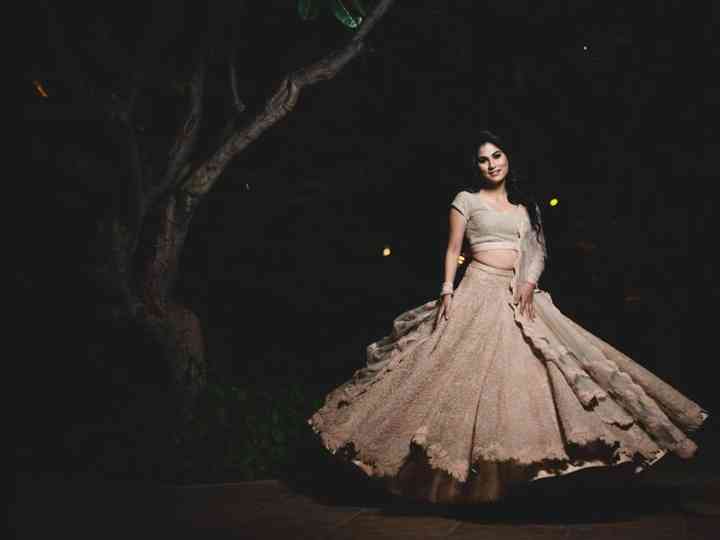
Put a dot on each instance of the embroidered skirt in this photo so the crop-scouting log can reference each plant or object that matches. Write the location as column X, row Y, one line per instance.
column 465, row 410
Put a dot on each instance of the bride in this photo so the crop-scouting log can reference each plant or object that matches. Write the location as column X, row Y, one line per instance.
column 490, row 386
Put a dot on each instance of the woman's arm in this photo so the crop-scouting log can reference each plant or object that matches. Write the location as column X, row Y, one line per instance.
column 457, row 230
column 537, row 252
column 531, row 267
column 455, row 238
column 533, row 253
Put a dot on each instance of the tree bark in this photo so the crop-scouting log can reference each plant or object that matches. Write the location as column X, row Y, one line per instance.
column 279, row 104
column 185, row 348
column 143, row 235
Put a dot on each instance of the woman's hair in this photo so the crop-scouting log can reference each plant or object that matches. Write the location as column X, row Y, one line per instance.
column 512, row 184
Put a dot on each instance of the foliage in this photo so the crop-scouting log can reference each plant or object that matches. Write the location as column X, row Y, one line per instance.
column 349, row 13
column 247, row 433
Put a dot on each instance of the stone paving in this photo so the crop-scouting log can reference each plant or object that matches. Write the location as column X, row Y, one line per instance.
column 677, row 507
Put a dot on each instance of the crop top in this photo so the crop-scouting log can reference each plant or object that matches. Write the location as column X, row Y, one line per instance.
column 487, row 228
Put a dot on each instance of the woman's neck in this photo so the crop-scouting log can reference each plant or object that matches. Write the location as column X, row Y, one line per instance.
column 496, row 192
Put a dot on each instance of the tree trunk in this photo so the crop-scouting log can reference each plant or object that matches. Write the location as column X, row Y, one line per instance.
column 135, row 279
column 140, row 243
column 172, row 326
column 145, row 353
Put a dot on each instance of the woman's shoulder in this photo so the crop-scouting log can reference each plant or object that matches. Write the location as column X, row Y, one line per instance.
column 463, row 202
column 463, row 194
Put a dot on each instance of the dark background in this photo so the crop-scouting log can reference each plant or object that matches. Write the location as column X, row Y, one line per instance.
column 283, row 262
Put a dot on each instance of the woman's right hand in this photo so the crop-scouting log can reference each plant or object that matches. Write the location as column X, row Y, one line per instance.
column 444, row 309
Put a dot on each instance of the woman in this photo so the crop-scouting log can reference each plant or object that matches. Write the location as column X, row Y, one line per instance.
column 490, row 386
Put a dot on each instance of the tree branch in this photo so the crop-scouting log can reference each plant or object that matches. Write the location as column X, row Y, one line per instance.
column 112, row 107
column 186, row 138
column 375, row 15
column 123, row 115
column 117, row 112
column 278, row 105
column 237, row 102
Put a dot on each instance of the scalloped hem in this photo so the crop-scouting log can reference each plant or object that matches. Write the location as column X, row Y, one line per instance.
column 599, row 380
column 439, row 486
column 426, row 475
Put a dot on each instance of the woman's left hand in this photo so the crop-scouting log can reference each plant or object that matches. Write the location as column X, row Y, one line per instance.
column 524, row 297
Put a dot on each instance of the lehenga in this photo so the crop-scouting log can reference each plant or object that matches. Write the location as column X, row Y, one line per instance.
column 466, row 410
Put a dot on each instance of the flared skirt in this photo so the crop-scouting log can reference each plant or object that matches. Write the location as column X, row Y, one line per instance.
column 463, row 410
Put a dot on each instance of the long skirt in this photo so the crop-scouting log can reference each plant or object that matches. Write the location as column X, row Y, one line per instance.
column 467, row 409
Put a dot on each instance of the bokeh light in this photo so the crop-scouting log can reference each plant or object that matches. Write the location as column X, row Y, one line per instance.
column 554, row 201
column 386, row 251
column 40, row 89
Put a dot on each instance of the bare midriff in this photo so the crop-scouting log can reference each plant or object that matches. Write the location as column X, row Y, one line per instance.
column 497, row 258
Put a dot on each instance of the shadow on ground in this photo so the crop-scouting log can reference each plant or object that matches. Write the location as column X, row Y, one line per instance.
column 597, row 495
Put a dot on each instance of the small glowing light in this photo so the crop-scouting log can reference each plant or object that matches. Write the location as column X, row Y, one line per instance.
column 461, row 259
column 585, row 47
column 585, row 245
column 386, row 252
column 554, row 201
column 40, row 89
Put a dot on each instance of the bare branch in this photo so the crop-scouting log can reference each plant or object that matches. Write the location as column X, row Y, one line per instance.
column 186, row 138
column 278, row 105
column 237, row 102
column 84, row 89
column 369, row 23
column 124, row 115
column 134, row 205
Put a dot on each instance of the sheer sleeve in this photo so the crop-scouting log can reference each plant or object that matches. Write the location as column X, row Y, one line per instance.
column 461, row 203
column 535, row 253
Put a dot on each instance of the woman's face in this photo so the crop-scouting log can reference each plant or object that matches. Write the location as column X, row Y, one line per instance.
column 493, row 163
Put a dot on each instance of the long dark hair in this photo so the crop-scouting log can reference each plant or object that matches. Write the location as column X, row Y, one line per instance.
column 512, row 182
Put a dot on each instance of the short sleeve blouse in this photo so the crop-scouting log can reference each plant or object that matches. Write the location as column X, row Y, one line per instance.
column 462, row 204
column 485, row 225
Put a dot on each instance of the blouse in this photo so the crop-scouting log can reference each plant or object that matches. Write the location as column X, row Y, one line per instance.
column 487, row 228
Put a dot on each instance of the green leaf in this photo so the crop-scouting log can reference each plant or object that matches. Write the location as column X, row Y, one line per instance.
column 308, row 9
column 343, row 15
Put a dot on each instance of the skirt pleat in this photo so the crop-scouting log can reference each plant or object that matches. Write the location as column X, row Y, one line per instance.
column 466, row 410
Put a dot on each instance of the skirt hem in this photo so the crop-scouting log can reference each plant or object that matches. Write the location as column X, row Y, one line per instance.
column 525, row 471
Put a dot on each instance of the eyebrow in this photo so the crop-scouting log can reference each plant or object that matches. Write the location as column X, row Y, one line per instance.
column 492, row 153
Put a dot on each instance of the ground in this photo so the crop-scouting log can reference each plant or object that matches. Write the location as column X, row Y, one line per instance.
column 673, row 500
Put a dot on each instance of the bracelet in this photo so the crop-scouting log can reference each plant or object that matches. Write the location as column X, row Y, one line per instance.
column 447, row 288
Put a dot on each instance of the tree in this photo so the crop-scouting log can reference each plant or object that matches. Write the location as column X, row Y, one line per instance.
column 140, row 236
